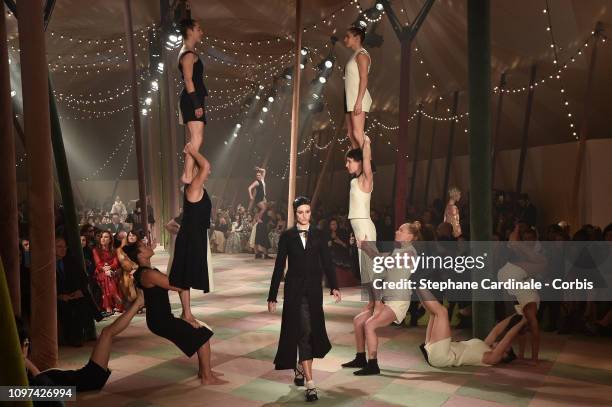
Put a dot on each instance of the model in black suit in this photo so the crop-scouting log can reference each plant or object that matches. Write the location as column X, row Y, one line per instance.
column 303, row 324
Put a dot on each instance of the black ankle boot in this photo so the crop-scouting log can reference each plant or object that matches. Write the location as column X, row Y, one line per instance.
column 371, row 369
column 359, row 361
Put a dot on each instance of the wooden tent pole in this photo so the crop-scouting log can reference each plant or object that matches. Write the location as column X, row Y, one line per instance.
column 295, row 113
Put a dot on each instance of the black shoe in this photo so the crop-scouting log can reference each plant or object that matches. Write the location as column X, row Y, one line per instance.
column 268, row 257
column 311, row 394
column 299, row 376
column 258, row 256
column 360, row 361
column 371, row 369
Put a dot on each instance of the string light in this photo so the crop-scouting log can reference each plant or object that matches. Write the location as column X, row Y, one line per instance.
column 20, row 160
column 112, row 155
column 556, row 76
column 127, row 158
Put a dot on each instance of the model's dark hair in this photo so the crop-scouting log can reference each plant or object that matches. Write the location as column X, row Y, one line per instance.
column 509, row 357
column 186, row 24
column 299, row 201
column 357, row 32
column 132, row 251
column 355, row 154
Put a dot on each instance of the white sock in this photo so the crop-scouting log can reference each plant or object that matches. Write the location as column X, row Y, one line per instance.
column 310, row 384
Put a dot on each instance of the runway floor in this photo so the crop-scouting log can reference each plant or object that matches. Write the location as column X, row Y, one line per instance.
column 150, row 371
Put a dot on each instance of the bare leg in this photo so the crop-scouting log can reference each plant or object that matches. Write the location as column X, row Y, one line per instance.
column 205, row 371
column 101, row 351
column 185, row 296
column 359, row 325
column 530, row 311
column 358, row 124
column 383, row 318
column 430, row 325
column 349, row 130
column 440, row 328
column 196, row 132
column 307, row 366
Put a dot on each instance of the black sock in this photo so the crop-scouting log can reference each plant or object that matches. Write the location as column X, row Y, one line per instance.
column 370, row 369
column 359, row 361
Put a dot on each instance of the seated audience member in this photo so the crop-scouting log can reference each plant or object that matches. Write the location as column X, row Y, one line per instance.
column 234, row 239
column 107, row 265
column 74, row 314
column 338, row 245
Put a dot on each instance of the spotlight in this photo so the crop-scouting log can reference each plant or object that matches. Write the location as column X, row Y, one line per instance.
column 304, row 51
column 301, row 66
column 173, row 38
column 238, row 125
column 261, row 121
column 322, row 79
column 270, row 99
column 379, row 6
column 363, row 23
column 148, row 101
column 235, row 135
column 144, row 112
column 13, row 93
column 154, row 85
column 257, row 97
column 160, row 67
column 225, row 142
column 261, row 87
column 328, row 64
column 265, row 109
column 315, row 96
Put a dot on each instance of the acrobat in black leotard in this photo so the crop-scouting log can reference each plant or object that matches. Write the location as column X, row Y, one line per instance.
column 162, row 322
column 186, row 104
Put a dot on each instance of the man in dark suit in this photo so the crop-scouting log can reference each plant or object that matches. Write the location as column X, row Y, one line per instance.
column 303, row 324
column 74, row 311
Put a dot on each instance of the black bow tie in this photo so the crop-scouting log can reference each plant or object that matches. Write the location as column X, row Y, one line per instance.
column 303, row 232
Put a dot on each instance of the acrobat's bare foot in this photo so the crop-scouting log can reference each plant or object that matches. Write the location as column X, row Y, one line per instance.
column 214, row 373
column 213, row 380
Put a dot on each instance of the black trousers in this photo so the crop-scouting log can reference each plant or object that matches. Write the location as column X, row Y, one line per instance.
column 305, row 341
column 76, row 324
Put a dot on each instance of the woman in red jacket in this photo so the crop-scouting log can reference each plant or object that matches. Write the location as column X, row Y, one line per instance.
column 107, row 265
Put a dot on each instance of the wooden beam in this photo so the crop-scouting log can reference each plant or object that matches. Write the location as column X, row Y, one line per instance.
column 498, row 120
column 142, row 186
column 479, row 75
column 37, row 130
column 415, row 155
column 451, row 144
column 295, row 113
column 431, row 150
column 528, row 110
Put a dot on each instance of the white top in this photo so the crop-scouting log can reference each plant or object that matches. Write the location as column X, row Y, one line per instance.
column 302, row 237
column 351, row 83
column 397, row 274
column 359, row 201
column 469, row 352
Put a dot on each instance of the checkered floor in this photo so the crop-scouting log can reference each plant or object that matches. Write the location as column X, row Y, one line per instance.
column 149, row 371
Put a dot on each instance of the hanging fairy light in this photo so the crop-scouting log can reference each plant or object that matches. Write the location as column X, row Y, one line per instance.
column 112, row 155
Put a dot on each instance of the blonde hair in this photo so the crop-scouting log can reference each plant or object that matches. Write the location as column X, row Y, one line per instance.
column 453, row 192
column 414, row 228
